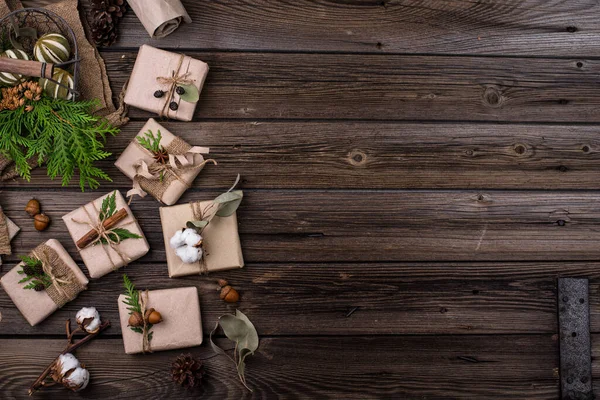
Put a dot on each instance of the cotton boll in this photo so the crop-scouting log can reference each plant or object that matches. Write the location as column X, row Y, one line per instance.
column 193, row 239
column 177, row 240
column 77, row 380
column 88, row 319
column 67, row 362
column 189, row 254
column 189, row 232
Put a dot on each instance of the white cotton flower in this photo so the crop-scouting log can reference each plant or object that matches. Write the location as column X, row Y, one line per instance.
column 189, row 254
column 77, row 379
column 177, row 240
column 192, row 238
column 88, row 319
column 67, row 362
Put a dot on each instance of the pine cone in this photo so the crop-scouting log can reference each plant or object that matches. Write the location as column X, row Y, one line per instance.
column 33, row 270
column 39, row 287
column 105, row 16
column 187, row 372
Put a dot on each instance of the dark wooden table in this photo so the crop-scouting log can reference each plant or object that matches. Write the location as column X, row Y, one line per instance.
column 417, row 175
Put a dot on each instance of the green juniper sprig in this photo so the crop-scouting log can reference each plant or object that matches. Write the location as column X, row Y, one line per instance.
column 151, row 142
column 65, row 135
column 132, row 300
column 34, row 273
column 107, row 210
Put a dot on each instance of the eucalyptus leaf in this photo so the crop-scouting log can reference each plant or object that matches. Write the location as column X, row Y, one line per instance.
column 250, row 341
column 191, row 95
column 196, row 224
column 229, row 202
column 234, row 328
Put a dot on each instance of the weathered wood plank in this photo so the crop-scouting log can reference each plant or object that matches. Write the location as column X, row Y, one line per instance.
column 356, row 155
column 530, row 27
column 353, row 367
column 371, row 87
column 355, row 226
column 353, row 299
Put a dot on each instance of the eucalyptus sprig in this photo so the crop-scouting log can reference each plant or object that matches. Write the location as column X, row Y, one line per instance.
column 240, row 330
column 107, row 210
column 34, row 273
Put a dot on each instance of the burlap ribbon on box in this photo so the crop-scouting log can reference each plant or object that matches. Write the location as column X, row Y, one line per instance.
column 157, row 177
column 4, row 235
column 65, row 285
column 108, row 235
column 93, row 79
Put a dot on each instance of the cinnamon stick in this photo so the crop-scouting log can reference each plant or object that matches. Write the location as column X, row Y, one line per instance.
column 108, row 223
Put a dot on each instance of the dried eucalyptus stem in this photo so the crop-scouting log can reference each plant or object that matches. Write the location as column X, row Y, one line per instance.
column 41, row 380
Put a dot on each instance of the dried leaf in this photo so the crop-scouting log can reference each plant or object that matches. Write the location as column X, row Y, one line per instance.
column 229, row 202
column 196, row 224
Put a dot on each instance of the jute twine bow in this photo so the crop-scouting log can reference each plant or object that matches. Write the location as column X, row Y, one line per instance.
column 108, row 235
column 181, row 159
column 146, row 347
column 173, row 81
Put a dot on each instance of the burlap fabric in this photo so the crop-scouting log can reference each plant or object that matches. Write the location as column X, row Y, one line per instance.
column 93, row 79
column 4, row 236
column 61, row 275
column 156, row 187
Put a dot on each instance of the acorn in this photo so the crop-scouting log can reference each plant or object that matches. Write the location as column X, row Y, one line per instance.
column 229, row 294
column 41, row 222
column 153, row 317
column 33, row 207
column 135, row 319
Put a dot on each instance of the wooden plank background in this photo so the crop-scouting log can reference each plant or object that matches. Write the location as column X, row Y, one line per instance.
column 417, row 175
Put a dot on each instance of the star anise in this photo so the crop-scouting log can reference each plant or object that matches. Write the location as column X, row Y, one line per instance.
column 161, row 156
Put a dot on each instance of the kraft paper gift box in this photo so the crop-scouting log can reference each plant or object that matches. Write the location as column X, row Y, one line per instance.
column 157, row 69
column 101, row 259
column 181, row 326
column 136, row 162
column 37, row 306
column 221, row 242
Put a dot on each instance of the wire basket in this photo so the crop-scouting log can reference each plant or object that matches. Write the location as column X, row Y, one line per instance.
column 41, row 22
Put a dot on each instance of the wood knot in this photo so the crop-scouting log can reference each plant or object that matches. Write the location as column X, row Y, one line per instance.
column 585, row 148
column 520, row 149
column 572, row 29
column 357, row 158
column 492, row 97
column 562, row 168
column 579, row 64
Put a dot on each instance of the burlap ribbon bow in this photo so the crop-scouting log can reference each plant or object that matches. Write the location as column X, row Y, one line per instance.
column 156, row 177
column 65, row 285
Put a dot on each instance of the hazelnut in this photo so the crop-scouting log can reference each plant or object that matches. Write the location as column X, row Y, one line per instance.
column 222, row 282
column 229, row 294
column 135, row 319
column 153, row 317
column 33, row 207
column 41, row 222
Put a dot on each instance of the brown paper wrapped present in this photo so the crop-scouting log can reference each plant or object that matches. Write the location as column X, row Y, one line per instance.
column 99, row 237
column 181, row 326
column 162, row 70
column 160, row 17
column 68, row 282
column 221, row 247
column 165, row 180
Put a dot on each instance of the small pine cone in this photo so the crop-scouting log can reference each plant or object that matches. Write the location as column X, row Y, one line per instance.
column 39, row 287
column 187, row 371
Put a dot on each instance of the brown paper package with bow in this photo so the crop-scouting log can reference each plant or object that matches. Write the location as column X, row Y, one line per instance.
column 135, row 159
column 37, row 306
column 101, row 259
column 157, row 69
